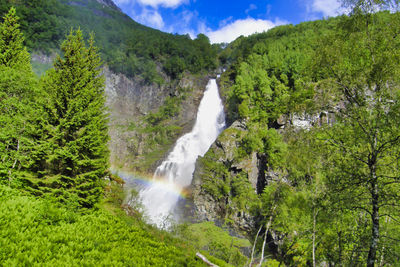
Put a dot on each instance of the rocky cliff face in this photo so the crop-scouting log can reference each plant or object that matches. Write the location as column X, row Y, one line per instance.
column 219, row 189
column 227, row 181
column 129, row 101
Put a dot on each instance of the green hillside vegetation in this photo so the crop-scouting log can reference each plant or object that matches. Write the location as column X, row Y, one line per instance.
column 215, row 242
column 147, row 56
column 335, row 198
column 125, row 46
column 59, row 205
column 41, row 232
column 54, row 131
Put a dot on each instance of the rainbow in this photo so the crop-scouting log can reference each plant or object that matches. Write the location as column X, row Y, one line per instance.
column 146, row 180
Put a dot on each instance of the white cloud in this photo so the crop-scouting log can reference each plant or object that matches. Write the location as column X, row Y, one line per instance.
column 328, row 8
column 243, row 27
column 187, row 22
column 226, row 21
column 150, row 18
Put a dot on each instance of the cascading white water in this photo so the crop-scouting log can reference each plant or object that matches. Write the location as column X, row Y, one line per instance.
column 177, row 170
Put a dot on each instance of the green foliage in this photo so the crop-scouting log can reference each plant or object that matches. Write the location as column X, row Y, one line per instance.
column 337, row 185
column 40, row 232
column 363, row 146
column 42, row 23
column 17, row 94
column 216, row 242
column 370, row 6
column 265, row 141
column 126, row 46
column 217, row 188
column 338, row 189
column 174, row 67
column 271, row 72
column 160, row 131
column 76, row 145
column 12, row 51
column 220, row 181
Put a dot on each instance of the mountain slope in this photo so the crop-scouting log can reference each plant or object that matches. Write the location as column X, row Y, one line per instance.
column 308, row 105
column 126, row 46
column 147, row 72
column 42, row 232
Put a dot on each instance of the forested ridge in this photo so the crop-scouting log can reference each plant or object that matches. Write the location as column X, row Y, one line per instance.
column 124, row 45
column 327, row 189
column 59, row 203
column 317, row 105
column 154, row 61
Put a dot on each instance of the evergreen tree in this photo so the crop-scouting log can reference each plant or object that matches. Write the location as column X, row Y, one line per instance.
column 13, row 53
column 17, row 92
column 77, row 121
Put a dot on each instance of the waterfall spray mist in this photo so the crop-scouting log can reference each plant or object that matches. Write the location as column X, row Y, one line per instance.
column 176, row 171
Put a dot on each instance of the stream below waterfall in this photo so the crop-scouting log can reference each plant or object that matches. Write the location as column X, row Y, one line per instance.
column 175, row 173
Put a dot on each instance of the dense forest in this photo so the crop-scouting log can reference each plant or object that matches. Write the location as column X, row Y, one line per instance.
column 53, row 145
column 329, row 189
column 126, row 46
column 60, row 203
column 148, row 58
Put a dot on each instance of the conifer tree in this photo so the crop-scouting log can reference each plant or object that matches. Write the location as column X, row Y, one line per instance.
column 78, row 124
column 13, row 53
column 17, row 91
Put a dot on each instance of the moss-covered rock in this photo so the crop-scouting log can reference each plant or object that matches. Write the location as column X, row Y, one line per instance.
column 224, row 186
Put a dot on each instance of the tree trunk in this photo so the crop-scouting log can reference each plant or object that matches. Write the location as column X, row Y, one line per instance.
column 375, row 221
column 313, row 235
column 382, row 261
column 266, row 233
column 205, row 260
column 254, row 246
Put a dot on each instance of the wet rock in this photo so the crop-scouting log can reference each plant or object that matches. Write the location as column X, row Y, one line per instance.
column 129, row 100
column 208, row 206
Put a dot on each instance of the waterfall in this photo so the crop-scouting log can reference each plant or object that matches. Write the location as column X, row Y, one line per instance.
column 176, row 172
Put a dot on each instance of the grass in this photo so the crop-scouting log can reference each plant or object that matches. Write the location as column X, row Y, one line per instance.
column 215, row 243
column 40, row 232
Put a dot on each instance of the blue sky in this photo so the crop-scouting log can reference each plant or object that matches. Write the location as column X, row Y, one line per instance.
column 225, row 20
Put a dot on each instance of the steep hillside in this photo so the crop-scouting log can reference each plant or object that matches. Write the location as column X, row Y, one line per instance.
column 308, row 166
column 268, row 86
column 148, row 73
column 308, row 107
column 41, row 232
column 126, row 46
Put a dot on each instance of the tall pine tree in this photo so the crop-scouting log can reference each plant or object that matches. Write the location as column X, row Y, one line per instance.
column 13, row 53
column 17, row 93
column 78, row 135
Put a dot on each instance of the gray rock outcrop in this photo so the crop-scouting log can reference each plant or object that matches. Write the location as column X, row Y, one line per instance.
column 129, row 100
